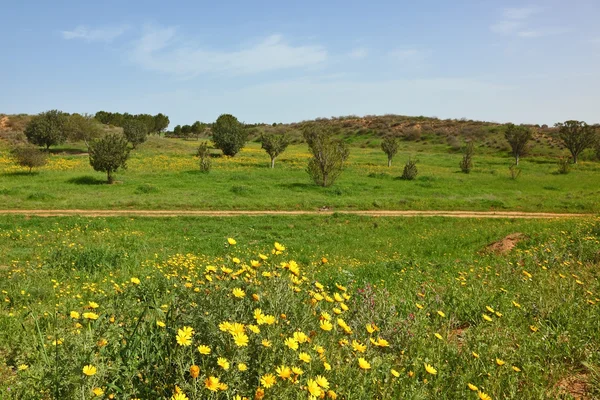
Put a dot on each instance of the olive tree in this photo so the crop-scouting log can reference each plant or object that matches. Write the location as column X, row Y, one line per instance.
column 327, row 160
column 517, row 137
column 576, row 136
column 29, row 157
column 390, row 146
column 136, row 132
column 82, row 128
column 229, row 135
column 47, row 129
column 109, row 153
column 274, row 145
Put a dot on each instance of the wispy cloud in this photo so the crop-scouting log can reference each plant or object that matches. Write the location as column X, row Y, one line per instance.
column 104, row 34
column 165, row 50
column 409, row 55
column 359, row 53
column 516, row 21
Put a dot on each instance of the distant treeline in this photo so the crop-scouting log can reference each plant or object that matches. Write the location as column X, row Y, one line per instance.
column 154, row 123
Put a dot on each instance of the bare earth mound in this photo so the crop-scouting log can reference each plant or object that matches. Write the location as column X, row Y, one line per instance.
column 505, row 245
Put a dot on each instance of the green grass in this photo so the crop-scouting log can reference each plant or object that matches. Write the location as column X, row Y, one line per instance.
column 163, row 174
column 50, row 266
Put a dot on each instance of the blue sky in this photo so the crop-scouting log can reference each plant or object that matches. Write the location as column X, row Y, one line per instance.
column 278, row 61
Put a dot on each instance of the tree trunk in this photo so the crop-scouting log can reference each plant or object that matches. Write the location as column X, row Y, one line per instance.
column 272, row 162
column 389, row 162
column 517, row 159
column 574, row 158
column 110, row 177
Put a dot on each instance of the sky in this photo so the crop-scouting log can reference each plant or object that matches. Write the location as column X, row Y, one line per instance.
column 288, row 61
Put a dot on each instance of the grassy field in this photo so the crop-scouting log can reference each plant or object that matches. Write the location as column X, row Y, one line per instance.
column 163, row 174
column 418, row 308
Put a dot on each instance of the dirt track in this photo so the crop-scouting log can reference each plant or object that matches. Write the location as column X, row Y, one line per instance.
column 234, row 213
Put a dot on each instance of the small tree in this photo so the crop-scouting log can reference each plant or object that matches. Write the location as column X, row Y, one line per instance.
column 390, row 146
column 327, row 160
column 274, row 145
column 564, row 165
column 29, row 157
column 186, row 131
column 229, row 134
column 410, row 170
column 177, row 130
column 517, row 137
column 161, row 123
column 109, row 153
column 203, row 153
column 576, row 136
column 82, row 128
column 197, row 129
column 343, row 150
column 47, row 129
column 466, row 163
column 136, row 132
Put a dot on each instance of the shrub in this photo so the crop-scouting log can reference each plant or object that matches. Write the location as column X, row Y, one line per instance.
column 108, row 154
column 564, row 165
column 327, row 160
column 203, row 153
column 389, row 145
column 517, row 137
column 47, row 129
column 514, row 171
column 410, row 170
column 29, row 157
column 229, row 135
column 274, row 145
column 136, row 132
column 466, row 163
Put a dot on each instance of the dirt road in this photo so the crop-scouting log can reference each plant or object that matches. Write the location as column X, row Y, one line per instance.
column 235, row 213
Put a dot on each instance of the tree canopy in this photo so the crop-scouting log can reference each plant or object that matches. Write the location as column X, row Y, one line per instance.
column 229, row 135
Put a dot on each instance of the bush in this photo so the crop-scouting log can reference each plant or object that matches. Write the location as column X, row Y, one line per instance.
column 136, row 132
column 564, row 165
column 29, row 157
column 410, row 170
column 203, row 153
column 466, row 163
column 229, row 135
column 108, row 154
column 327, row 160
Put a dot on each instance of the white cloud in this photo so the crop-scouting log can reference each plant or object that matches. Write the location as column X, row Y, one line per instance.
column 515, row 22
column 105, row 34
column 358, row 53
column 520, row 12
column 409, row 55
column 164, row 50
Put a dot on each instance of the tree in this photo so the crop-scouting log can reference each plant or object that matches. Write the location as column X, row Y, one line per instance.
column 161, row 123
column 109, row 153
column 466, row 164
column 343, row 150
column 274, row 145
column 327, row 161
column 517, row 137
column 576, row 136
column 147, row 120
column 135, row 132
column 177, row 130
column 390, row 147
column 47, row 128
column 229, row 134
column 198, row 128
column 82, row 128
column 29, row 157
column 186, row 130
column 203, row 153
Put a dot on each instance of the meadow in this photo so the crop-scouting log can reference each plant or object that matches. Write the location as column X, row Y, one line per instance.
column 307, row 307
column 164, row 174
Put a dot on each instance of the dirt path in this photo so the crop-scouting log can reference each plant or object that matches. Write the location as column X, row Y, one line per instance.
column 234, row 213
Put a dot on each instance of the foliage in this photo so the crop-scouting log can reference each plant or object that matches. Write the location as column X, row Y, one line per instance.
column 564, row 165
column 109, row 154
column 177, row 130
column 203, row 153
column 466, row 164
column 198, row 129
column 390, row 146
column 161, row 123
column 274, row 145
column 517, row 137
column 29, row 157
column 154, row 124
column 514, row 171
column 136, row 132
column 410, row 171
column 576, row 136
column 47, row 129
column 343, row 150
column 82, row 128
column 229, row 134
column 327, row 160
